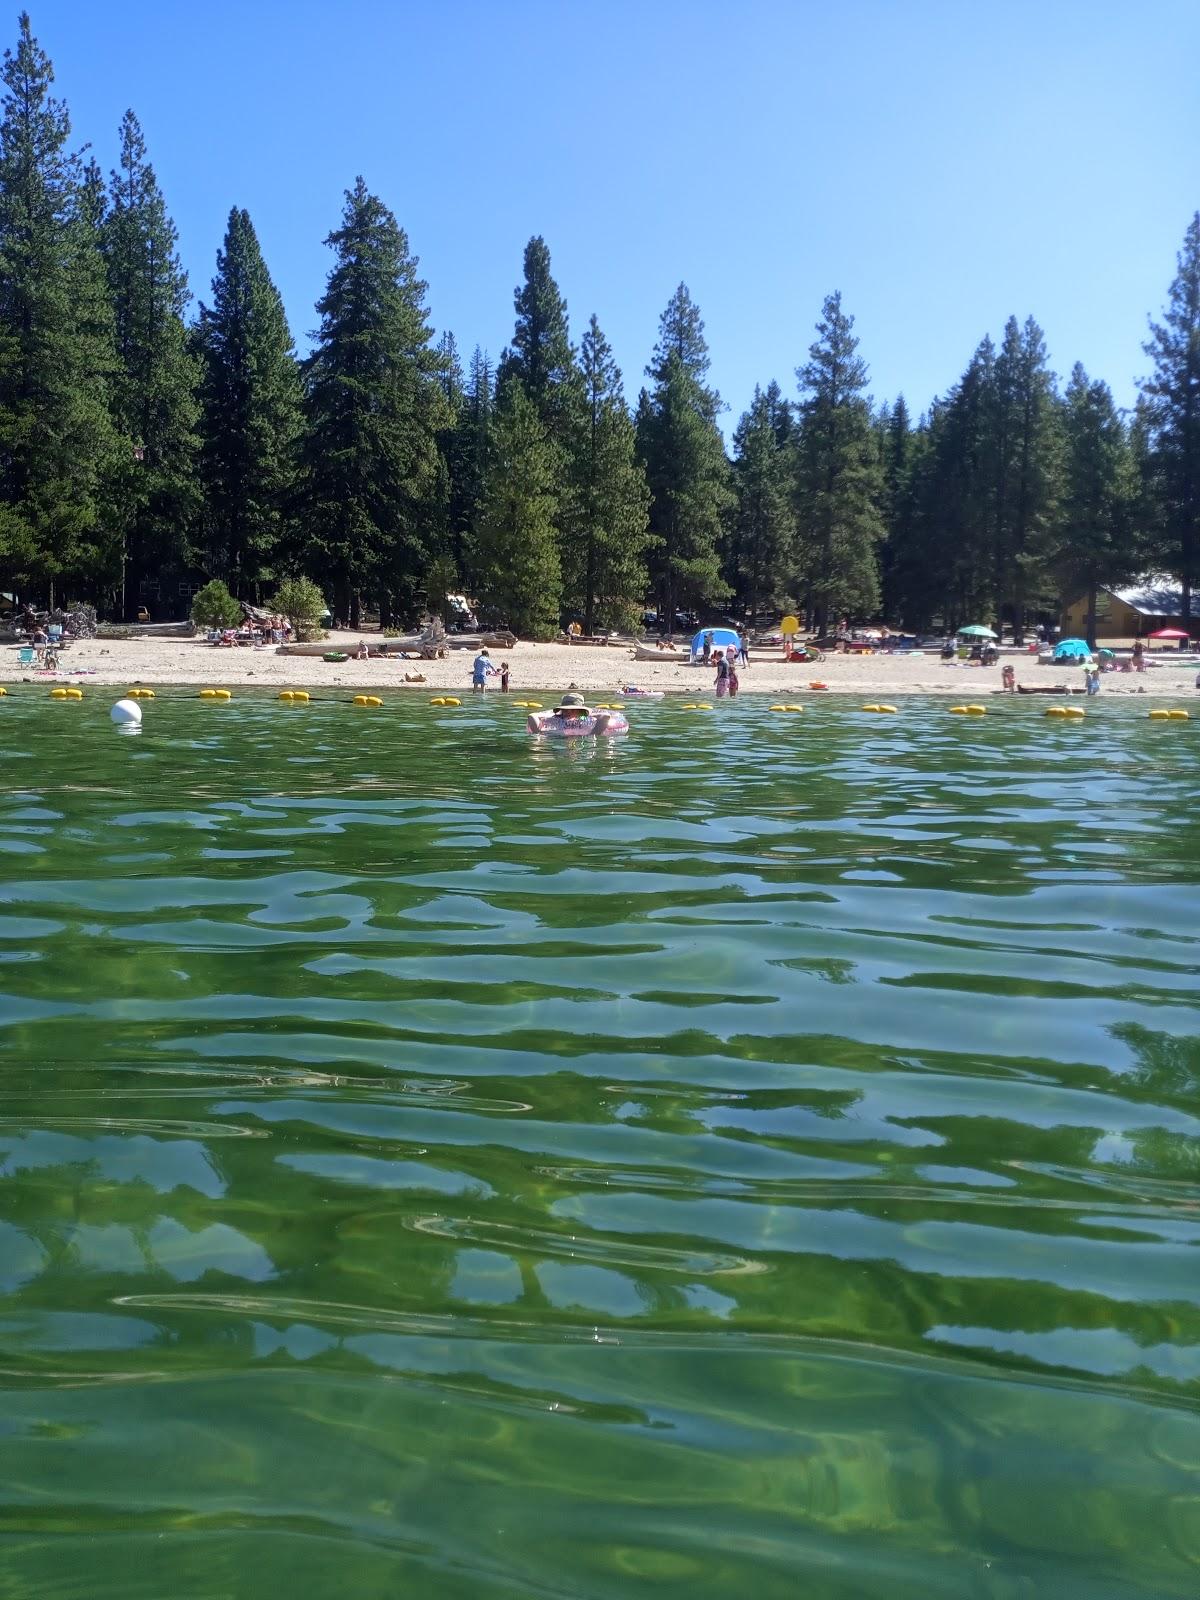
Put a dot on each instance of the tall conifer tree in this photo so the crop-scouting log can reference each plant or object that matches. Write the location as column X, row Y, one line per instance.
column 686, row 468
column 541, row 358
column 250, row 408
column 1026, row 451
column 605, row 566
column 1171, row 397
column 155, row 396
column 374, row 408
column 763, row 518
column 58, row 448
column 1093, row 540
column 516, row 553
column 838, row 484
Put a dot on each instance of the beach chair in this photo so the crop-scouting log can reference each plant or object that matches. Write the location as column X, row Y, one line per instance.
column 26, row 656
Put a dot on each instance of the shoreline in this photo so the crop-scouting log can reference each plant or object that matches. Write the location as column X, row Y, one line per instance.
column 551, row 669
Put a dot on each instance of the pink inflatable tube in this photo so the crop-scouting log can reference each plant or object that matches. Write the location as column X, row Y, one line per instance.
column 601, row 724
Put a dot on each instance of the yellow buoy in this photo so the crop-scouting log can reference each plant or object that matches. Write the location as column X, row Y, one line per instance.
column 3, row 690
column 367, row 700
column 533, row 705
column 977, row 711
column 223, row 694
column 958, row 711
column 58, row 694
column 1056, row 711
column 140, row 694
column 794, row 708
column 1159, row 715
column 301, row 695
column 1074, row 711
column 1178, row 716
column 450, row 700
column 285, row 694
column 777, row 708
column 74, row 694
column 887, row 710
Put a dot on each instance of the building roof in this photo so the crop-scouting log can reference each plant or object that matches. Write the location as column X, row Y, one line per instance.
column 1154, row 595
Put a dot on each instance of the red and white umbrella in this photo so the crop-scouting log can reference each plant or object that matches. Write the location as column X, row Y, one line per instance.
column 1170, row 633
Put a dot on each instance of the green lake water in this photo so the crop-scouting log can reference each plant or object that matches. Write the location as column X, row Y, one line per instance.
column 756, row 1158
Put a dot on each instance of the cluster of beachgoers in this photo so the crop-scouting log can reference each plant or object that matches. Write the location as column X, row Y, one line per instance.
column 716, row 662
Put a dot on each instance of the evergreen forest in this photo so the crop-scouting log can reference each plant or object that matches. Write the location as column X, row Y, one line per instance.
column 150, row 441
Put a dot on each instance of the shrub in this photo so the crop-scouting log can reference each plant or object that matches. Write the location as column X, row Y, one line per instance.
column 214, row 607
column 303, row 604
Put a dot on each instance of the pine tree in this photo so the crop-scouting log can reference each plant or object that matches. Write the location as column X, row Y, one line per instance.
column 898, row 448
column 762, row 524
column 541, row 357
column 1026, row 451
column 605, row 569
column 1093, row 541
column 155, row 393
column 838, row 481
column 374, row 408
column 474, row 432
column 516, row 553
column 57, row 444
column 684, row 455
column 250, row 411
column 1171, row 398
column 452, row 495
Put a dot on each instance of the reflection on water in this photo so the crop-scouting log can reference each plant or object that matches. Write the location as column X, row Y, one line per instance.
column 759, row 1155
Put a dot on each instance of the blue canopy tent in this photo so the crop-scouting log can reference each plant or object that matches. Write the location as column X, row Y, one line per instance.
column 722, row 638
column 1071, row 650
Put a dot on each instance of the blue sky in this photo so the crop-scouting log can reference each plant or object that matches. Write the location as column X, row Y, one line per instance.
column 943, row 164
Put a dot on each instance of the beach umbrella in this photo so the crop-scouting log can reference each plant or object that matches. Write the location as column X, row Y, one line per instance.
column 1071, row 650
column 977, row 631
column 1169, row 633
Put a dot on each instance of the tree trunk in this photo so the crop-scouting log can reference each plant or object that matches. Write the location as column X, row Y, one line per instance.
column 1090, row 625
column 589, row 588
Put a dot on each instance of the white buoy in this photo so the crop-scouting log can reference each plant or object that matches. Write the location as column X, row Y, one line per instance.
column 126, row 713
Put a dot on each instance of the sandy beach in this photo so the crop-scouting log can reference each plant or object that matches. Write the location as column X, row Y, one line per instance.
column 551, row 668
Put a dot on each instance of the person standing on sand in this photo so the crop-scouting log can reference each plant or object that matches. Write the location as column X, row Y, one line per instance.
column 743, row 650
column 731, row 666
column 504, row 677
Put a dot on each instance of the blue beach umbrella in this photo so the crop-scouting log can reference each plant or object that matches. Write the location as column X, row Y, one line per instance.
column 1071, row 650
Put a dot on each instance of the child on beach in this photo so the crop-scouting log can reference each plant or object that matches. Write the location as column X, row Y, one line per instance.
column 504, row 677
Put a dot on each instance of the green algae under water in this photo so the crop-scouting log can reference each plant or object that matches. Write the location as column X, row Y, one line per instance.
column 755, row 1158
